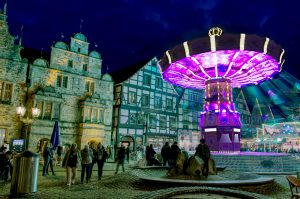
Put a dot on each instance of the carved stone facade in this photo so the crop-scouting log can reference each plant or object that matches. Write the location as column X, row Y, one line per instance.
column 69, row 88
column 12, row 82
column 72, row 90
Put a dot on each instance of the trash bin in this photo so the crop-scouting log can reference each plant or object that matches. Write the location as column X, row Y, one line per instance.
column 25, row 173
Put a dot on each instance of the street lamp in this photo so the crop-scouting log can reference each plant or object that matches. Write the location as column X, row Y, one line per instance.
column 35, row 112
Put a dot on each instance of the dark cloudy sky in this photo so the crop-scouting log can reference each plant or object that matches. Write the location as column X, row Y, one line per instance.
column 128, row 31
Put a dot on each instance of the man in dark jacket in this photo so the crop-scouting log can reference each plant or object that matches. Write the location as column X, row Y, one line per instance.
column 175, row 150
column 120, row 158
column 166, row 154
column 204, row 153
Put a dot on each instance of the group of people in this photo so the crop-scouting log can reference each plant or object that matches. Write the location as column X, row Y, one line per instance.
column 170, row 153
column 90, row 155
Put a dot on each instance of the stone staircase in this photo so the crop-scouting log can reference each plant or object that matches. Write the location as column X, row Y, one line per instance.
column 258, row 163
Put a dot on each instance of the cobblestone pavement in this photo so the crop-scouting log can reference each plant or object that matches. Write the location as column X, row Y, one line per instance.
column 125, row 185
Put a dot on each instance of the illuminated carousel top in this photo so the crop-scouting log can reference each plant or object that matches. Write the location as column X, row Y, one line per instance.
column 244, row 59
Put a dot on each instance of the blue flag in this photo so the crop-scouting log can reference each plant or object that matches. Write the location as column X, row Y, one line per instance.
column 55, row 137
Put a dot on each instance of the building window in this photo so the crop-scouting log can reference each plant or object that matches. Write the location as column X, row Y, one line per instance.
column 240, row 106
column 101, row 116
column 157, row 102
column 5, row 92
column 94, row 115
column 169, row 104
column 140, row 118
column 145, row 100
column 185, row 115
column 62, row 81
column 195, row 116
column 87, row 115
column 47, row 110
column 79, row 49
column 132, row 118
column 65, row 82
column 70, row 63
column 58, row 80
column 152, row 121
column 147, row 80
column 131, row 97
column 90, row 87
column 56, row 111
column 153, row 63
column 162, row 122
column 158, row 83
column 85, row 67
column 172, row 123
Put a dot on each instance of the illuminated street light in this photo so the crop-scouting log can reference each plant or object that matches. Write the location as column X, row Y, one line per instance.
column 27, row 120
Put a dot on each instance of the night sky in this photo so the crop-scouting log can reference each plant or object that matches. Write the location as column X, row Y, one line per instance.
column 129, row 31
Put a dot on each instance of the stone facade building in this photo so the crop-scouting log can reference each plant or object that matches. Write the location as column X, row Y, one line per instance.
column 68, row 88
column 13, row 71
column 71, row 89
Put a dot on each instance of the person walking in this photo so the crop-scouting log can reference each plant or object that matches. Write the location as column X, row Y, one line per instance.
column 120, row 158
column 48, row 160
column 166, row 154
column 94, row 159
column 203, row 152
column 70, row 162
column 101, row 157
column 86, row 161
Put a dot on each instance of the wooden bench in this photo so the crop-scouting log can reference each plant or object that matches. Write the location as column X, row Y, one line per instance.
column 294, row 186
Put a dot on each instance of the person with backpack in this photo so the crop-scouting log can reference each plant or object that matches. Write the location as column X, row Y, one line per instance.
column 203, row 152
column 101, row 155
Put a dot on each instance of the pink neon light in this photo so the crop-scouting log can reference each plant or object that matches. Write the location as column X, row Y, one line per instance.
column 241, row 67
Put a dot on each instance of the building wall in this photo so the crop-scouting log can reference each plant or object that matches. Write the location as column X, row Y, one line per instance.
column 245, row 115
column 78, row 96
column 189, row 109
column 12, row 83
column 145, row 108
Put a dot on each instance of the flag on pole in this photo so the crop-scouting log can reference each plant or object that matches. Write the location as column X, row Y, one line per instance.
column 55, row 137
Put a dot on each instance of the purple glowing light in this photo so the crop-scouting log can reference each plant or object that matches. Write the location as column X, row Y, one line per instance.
column 242, row 67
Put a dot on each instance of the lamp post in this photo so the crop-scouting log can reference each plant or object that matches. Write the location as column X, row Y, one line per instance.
column 27, row 120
